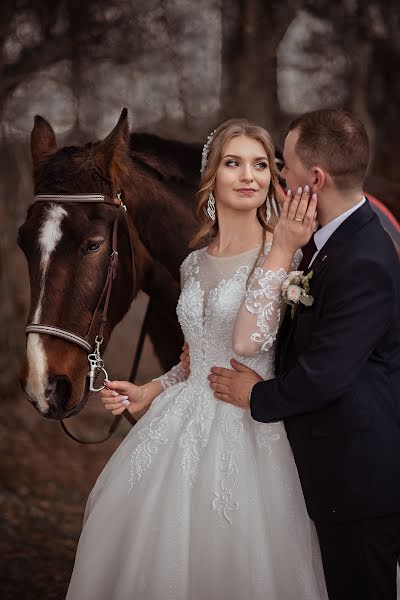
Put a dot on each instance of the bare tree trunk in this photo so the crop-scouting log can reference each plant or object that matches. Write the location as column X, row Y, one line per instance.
column 358, row 99
column 249, row 71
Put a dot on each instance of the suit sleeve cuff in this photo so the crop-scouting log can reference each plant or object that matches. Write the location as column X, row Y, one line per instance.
column 254, row 399
column 259, row 407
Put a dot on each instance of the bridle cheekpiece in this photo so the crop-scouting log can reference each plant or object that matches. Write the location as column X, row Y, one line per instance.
column 92, row 346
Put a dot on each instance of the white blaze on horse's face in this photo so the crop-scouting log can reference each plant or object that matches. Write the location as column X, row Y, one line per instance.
column 49, row 236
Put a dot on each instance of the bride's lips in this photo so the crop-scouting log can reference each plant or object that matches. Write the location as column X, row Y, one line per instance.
column 246, row 191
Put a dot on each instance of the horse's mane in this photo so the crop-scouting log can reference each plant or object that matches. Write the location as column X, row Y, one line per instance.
column 170, row 160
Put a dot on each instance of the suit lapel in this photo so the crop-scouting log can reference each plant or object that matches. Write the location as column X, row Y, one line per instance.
column 325, row 257
column 318, row 266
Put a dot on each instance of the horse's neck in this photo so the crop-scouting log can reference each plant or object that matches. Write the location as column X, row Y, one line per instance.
column 169, row 159
column 170, row 174
column 165, row 223
column 163, row 205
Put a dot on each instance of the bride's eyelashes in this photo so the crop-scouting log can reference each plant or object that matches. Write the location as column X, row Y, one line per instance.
column 234, row 163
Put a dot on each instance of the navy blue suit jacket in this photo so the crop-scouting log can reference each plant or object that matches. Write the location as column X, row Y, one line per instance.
column 338, row 376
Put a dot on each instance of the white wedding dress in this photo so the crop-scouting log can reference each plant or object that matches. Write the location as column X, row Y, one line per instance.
column 201, row 502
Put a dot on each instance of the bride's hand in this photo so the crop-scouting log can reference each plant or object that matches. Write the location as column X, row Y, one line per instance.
column 123, row 395
column 297, row 221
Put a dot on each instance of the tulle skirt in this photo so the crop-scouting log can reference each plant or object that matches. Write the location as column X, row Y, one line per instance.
column 199, row 502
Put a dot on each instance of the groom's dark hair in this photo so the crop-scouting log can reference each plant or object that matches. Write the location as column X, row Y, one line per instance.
column 335, row 140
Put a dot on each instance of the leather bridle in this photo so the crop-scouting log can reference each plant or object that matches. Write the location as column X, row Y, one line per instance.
column 90, row 342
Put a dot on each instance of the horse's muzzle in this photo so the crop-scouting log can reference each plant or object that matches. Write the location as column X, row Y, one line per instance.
column 58, row 393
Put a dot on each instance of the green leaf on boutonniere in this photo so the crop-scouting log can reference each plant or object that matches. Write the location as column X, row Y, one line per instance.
column 307, row 300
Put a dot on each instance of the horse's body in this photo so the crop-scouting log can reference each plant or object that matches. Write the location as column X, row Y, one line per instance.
column 68, row 247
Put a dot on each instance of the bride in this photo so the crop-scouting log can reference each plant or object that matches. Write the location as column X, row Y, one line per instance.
column 200, row 502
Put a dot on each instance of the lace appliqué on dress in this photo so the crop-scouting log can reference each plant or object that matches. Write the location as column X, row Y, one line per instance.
column 265, row 286
column 189, row 269
column 151, row 439
column 190, row 266
column 223, row 502
column 175, row 375
column 193, row 441
column 267, row 438
column 264, row 300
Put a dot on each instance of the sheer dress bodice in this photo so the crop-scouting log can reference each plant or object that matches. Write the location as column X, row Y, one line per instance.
column 225, row 314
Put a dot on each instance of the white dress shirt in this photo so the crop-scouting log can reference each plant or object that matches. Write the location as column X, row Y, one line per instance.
column 322, row 235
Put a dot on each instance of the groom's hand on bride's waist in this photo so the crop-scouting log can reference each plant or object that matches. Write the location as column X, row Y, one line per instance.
column 234, row 386
column 185, row 358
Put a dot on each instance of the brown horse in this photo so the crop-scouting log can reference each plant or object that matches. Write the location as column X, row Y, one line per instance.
column 68, row 247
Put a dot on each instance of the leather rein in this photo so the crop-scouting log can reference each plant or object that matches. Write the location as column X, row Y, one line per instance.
column 89, row 342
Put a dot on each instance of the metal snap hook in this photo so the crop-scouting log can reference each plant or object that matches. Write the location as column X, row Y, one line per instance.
column 92, row 376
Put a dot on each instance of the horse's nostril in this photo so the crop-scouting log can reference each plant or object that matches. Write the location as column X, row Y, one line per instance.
column 59, row 390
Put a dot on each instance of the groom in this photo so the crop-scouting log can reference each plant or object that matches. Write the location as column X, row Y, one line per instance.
column 337, row 384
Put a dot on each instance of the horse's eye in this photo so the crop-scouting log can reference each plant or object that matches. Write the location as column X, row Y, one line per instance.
column 93, row 246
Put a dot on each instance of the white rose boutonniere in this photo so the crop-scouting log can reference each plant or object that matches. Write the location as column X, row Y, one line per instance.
column 295, row 290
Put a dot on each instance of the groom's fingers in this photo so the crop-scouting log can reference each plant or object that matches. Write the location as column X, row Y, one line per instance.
column 238, row 366
column 222, row 371
column 223, row 397
column 219, row 379
column 220, row 388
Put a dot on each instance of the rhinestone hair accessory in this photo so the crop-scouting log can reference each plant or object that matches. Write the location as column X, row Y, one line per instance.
column 206, row 149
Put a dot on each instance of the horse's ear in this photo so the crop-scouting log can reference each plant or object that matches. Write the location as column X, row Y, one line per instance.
column 43, row 139
column 114, row 147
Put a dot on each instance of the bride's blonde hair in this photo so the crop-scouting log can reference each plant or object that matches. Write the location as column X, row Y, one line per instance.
column 223, row 134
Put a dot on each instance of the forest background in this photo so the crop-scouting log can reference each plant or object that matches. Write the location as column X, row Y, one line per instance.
column 181, row 67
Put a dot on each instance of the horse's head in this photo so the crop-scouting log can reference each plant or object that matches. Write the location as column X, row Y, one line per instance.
column 68, row 247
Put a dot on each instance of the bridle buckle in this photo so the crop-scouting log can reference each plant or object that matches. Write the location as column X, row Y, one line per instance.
column 121, row 202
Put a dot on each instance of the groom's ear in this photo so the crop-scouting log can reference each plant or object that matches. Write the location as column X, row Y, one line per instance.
column 319, row 179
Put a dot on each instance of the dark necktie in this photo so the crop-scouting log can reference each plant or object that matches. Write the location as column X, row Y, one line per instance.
column 308, row 252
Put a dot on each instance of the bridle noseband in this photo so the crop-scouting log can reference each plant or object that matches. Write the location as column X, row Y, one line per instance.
column 89, row 342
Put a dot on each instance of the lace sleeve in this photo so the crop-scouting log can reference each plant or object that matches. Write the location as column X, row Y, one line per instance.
column 177, row 374
column 189, row 267
column 259, row 316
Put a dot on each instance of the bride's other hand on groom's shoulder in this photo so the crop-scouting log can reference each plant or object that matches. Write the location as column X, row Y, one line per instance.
column 234, row 386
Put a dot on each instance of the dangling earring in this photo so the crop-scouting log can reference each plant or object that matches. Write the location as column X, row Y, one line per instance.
column 268, row 209
column 275, row 206
column 211, row 206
